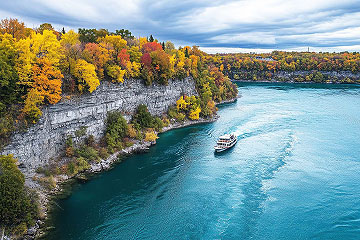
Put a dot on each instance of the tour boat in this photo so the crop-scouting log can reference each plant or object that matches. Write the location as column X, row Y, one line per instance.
column 225, row 142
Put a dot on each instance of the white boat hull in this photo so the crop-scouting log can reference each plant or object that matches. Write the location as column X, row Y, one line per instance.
column 221, row 149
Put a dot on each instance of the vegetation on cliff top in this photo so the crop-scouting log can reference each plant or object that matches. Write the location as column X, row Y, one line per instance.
column 39, row 65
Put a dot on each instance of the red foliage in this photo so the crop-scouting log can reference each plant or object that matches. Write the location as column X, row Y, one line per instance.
column 219, row 76
column 123, row 57
column 146, row 60
column 151, row 46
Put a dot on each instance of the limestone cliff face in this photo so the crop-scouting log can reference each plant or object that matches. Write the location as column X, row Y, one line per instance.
column 45, row 141
column 284, row 76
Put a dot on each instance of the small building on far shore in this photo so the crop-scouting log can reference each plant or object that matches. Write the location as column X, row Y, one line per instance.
column 268, row 59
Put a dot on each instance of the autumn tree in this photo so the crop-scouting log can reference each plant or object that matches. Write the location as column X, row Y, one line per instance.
column 31, row 109
column 113, row 43
column 115, row 73
column 151, row 136
column 86, row 77
column 146, row 60
column 98, row 56
column 34, row 47
column 71, row 48
column 47, row 80
column 150, row 47
column 46, row 45
column 169, row 46
column 13, row 27
column 123, row 57
column 135, row 54
column 161, row 64
column 194, row 113
column 142, row 41
column 181, row 104
column 45, row 26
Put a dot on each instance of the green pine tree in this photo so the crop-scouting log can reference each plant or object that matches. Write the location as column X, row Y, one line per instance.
column 186, row 53
column 151, row 38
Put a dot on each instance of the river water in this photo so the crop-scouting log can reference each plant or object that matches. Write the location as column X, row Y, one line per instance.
column 294, row 174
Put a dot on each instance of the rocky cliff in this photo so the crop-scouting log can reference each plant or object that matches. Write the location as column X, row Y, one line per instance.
column 333, row 75
column 45, row 141
column 283, row 76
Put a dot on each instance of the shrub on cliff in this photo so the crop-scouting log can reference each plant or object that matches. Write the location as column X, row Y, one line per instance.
column 116, row 130
column 142, row 118
column 77, row 165
column 150, row 136
column 18, row 205
column 87, row 152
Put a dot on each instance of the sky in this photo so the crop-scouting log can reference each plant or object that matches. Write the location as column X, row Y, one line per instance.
column 214, row 25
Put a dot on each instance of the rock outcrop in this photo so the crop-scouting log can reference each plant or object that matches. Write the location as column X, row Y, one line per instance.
column 284, row 76
column 45, row 141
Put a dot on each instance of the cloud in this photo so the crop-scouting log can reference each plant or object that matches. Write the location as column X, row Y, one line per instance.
column 211, row 24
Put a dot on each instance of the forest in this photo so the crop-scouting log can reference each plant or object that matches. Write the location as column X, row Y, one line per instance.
column 305, row 66
column 40, row 66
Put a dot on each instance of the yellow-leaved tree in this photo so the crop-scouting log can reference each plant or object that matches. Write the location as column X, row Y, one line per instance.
column 86, row 77
column 136, row 69
column 142, row 41
column 151, row 136
column 31, row 109
column 194, row 113
column 116, row 73
column 181, row 104
column 47, row 45
column 24, row 61
column 36, row 46
column 113, row 43
column 71, row 48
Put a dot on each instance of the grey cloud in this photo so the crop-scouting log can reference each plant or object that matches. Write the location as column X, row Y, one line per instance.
column 175, row 20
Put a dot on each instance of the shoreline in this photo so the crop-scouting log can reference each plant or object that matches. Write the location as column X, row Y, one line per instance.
column 294, row 82
column 63, row 182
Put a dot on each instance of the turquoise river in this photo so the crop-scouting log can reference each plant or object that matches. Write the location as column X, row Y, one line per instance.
column 294, row 174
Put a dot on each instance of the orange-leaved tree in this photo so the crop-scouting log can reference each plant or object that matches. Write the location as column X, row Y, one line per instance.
column 98, row 56
column 47, row 80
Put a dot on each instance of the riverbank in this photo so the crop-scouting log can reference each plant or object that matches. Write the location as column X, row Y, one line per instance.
column 64, row 182
column 284, row 165
column 293, row 81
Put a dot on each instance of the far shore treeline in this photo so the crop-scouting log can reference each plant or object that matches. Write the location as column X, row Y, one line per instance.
column 305, row 66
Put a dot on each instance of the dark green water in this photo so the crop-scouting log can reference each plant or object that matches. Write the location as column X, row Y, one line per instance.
column 294, row 174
